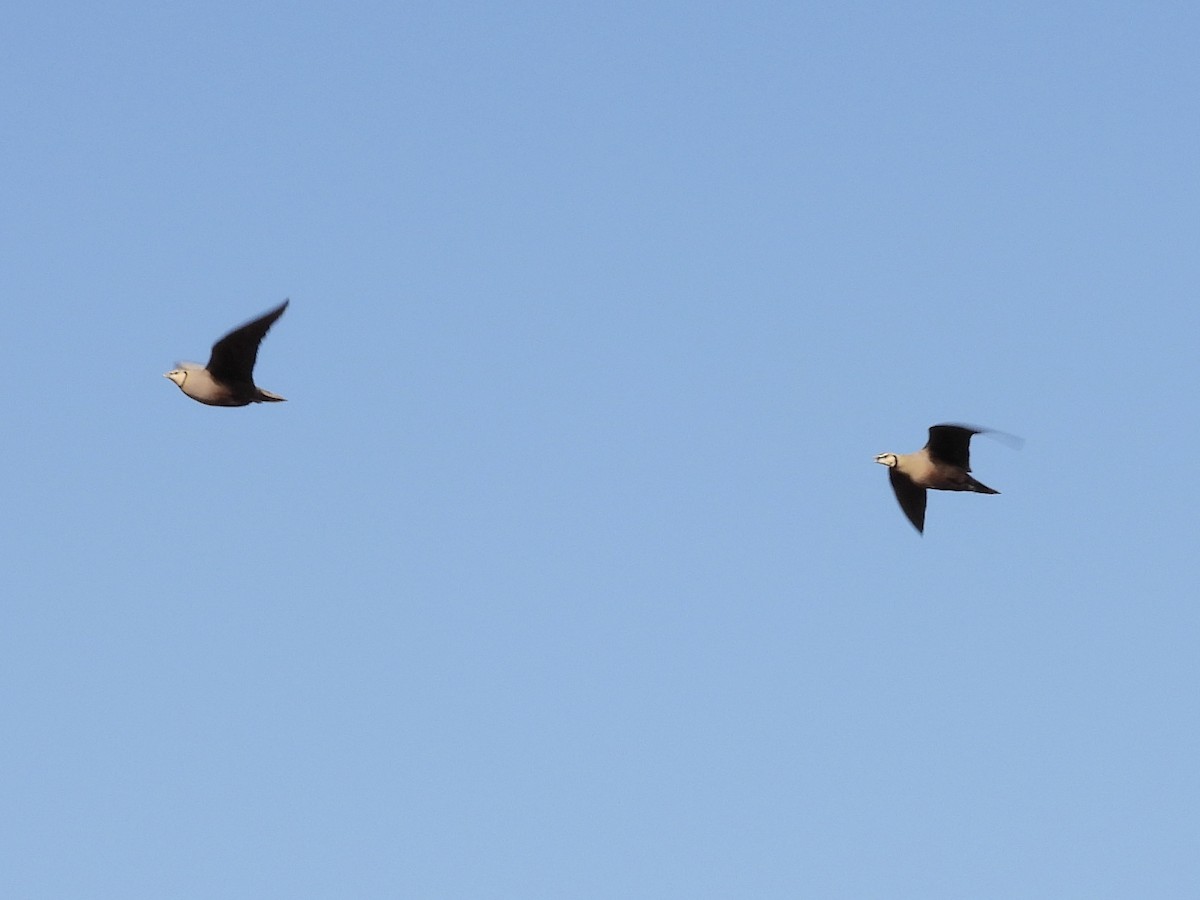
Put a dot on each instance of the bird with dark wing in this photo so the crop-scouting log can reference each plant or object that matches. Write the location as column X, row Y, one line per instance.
column 228, row 379
column 943, row 464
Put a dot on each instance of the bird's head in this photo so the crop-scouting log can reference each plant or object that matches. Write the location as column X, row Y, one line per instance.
column 887, row 459
column 178, row 375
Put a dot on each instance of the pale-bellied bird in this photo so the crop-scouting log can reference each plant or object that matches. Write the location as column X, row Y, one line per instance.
column 228, row 379
column 943, row 464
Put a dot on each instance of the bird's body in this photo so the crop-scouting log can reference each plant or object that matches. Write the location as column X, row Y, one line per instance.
column 228, row 379
column 943, row 464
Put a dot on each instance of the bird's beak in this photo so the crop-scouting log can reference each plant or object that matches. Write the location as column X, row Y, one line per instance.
column 166, row 374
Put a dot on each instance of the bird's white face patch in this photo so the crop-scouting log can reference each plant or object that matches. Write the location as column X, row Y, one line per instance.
column 179, row 376
column 887, row 459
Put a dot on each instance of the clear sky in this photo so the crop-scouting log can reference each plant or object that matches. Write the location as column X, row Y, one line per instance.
column 566, row 570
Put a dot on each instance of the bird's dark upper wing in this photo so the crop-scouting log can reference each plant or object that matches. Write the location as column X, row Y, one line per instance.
column 952, row 444
column 911, row 497
column 233, row 356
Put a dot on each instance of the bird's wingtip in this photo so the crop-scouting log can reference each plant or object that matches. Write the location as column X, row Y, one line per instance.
column 1016, row 442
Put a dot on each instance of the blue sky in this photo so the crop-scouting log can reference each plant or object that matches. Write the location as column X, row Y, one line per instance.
column 566, row 571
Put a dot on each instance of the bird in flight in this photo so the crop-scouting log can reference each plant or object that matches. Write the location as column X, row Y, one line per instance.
column 943, row 464
column 228, row 379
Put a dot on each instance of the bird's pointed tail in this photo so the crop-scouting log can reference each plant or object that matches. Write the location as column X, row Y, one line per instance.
column 980, row 488
column 268, row 397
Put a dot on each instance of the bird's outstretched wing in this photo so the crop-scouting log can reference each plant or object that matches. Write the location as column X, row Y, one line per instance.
column 952, row 444
column 233, row 356
column 911, row 498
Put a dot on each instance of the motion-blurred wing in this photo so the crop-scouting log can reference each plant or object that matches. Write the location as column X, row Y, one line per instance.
column 234, row 355
column 911, row 498
column 952, row 444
